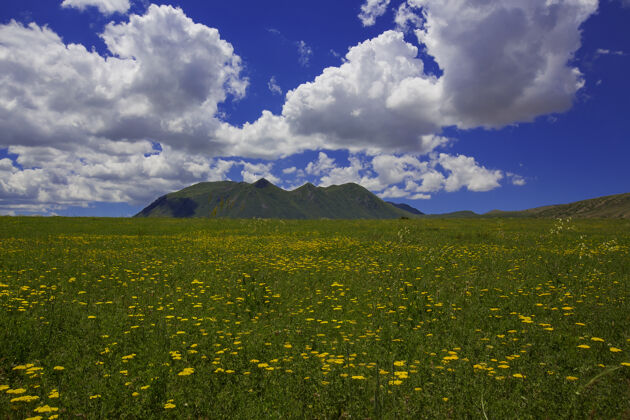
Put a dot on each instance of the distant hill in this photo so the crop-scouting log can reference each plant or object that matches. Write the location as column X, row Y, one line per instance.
column 264, row 200
column 611, row 206
column 406, row 207
column 462, row 214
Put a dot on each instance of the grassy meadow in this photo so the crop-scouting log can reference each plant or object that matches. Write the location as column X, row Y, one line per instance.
column 164, row 318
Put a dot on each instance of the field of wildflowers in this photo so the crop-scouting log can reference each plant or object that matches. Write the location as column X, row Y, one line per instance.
column 497, row 318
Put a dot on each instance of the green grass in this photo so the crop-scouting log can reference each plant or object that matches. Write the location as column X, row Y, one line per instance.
column 315, row 319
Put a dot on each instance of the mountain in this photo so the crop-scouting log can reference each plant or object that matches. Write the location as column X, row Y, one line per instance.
column 611, row 206
column 264, row 200
column 406, row 207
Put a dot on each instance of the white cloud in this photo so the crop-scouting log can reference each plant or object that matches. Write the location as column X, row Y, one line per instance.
column 101, row 171
column 398, row 176
column 288, row 171
column 430, row 181
column 304, row 53
column 107, row 7
column 6, row 165
column 273, row 86
column 164, row 82
column 393, row 192
column 504, row 61
column 361, row 104
column 356, row 172
column 465, row 172
column 268, row 137
column 603, row 51
column 252, row 172
column 407, row 18
column 517, row 180
column 394, row 169
column 321, row 165
column 371, row 10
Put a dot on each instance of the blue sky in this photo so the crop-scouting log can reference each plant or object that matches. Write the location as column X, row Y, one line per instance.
column 445, row 105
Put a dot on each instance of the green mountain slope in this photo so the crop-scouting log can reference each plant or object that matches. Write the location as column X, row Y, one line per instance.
column 406, row 207
column 265, row 200
column 611, row 206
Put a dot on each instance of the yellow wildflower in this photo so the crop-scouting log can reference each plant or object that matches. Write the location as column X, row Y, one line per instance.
column 25, row 398
column 45, row 409
column 186, row 372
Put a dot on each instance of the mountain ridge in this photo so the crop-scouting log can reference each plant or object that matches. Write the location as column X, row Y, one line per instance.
column 263, row 199
column 609, row 206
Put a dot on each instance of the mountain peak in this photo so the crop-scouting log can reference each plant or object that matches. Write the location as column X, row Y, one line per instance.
column 261, row 183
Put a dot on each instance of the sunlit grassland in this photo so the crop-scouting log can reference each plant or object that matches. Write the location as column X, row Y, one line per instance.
column 150, row 318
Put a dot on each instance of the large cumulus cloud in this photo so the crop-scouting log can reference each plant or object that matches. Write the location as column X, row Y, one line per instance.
column 504, row 61
column 163, row 81
column 360, row 105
